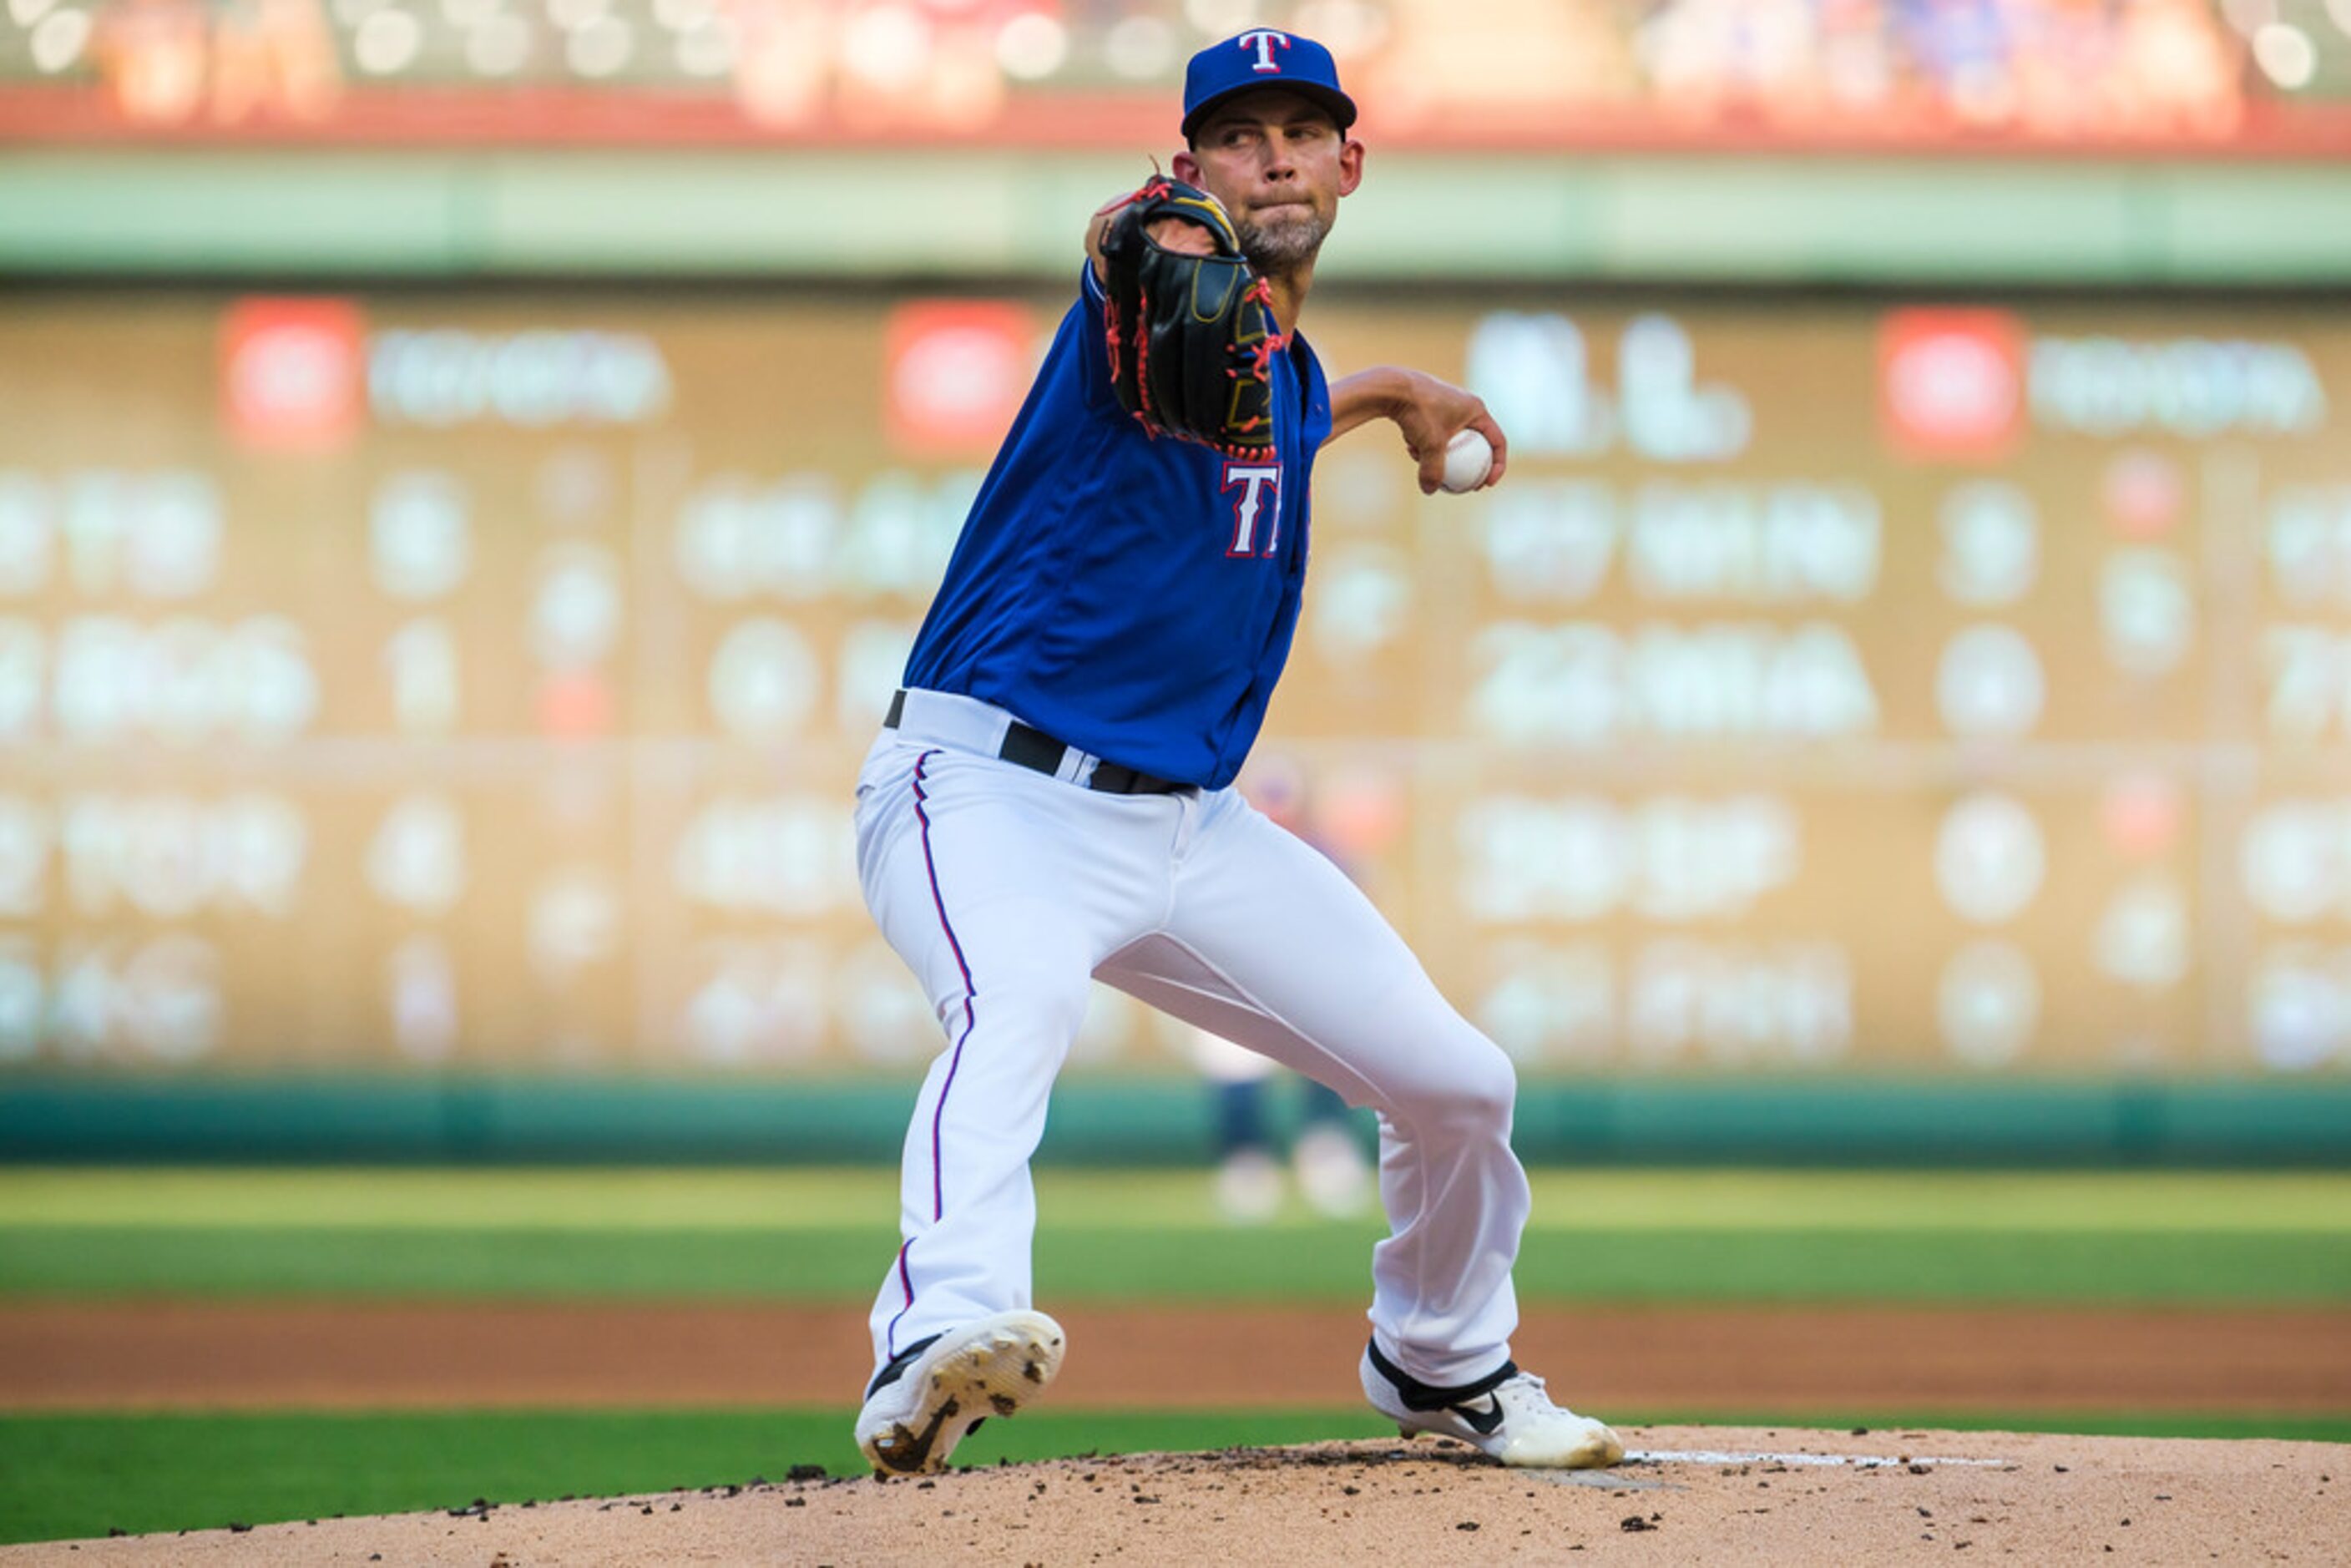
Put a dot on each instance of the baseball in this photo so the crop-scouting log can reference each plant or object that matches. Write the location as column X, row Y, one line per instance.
column 1468, row 458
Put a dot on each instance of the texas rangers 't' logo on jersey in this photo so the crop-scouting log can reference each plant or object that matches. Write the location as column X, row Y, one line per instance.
column 1260, row 491
column 1264, row 40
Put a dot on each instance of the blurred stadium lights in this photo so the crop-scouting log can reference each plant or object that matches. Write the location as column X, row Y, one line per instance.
column 2259, row 75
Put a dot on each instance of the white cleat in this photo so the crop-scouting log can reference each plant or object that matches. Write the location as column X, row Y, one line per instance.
column 1509, row 1416
column 920, row 1406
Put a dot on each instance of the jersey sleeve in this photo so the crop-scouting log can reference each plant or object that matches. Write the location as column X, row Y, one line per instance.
column 1093, row 342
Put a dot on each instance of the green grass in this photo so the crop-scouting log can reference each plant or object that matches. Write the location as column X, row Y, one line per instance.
column 1305, row 1264
column 824, row 1235
column 80, row 1475
column 499, row 1198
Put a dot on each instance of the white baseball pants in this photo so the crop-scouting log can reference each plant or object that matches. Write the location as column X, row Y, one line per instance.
column 1006, row 890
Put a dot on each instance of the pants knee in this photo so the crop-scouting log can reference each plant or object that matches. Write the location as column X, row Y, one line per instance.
column 1489, row 1087
column 1471, row 1086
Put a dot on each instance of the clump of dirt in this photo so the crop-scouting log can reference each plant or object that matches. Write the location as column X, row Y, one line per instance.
column 1715, row 1495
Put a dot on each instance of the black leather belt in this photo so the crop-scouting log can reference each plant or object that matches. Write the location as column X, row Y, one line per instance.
column 1026, row 746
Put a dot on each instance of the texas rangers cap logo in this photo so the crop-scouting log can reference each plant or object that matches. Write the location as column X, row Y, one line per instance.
column 1263, row 56
column 1265, row 40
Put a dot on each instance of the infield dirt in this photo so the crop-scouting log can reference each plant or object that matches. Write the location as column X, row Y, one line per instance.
column 1702, row 1495
column 1817, row 1361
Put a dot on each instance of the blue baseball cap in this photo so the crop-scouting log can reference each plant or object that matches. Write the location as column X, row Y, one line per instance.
column 1263, row 56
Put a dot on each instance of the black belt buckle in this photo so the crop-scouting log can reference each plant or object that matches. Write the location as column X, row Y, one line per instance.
column 1032, row 748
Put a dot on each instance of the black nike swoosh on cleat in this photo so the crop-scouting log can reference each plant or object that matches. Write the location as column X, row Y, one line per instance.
column 908, row 1455
column 1484, row 1421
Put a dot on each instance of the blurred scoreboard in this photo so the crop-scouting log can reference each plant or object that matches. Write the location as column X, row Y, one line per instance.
column 431, row 679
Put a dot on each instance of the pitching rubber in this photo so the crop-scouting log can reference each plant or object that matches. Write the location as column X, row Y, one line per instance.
column 992, row 1367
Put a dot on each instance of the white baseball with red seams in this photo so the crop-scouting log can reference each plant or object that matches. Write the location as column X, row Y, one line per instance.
column 1468, row 459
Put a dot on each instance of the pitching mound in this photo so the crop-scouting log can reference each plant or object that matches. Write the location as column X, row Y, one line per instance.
column 1685, row 1495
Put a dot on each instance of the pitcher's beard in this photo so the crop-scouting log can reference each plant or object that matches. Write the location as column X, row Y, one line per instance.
column 1281, row 247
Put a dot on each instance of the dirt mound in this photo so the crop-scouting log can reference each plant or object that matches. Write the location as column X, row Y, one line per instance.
column 1710, row 1495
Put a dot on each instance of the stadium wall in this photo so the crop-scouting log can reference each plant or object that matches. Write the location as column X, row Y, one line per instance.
column 1949, row 220
column 1147, row 1121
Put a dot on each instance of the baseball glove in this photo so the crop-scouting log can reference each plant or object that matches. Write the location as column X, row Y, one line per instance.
column 1191, row 336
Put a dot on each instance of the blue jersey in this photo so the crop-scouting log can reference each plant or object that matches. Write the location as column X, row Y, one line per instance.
column 1130, row 596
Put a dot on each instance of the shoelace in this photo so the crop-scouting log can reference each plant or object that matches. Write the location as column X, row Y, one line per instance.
column 1531, row 1383
column 1528, row 1393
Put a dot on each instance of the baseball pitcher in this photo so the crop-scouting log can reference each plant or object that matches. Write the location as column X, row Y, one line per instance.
column 1050, row 799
